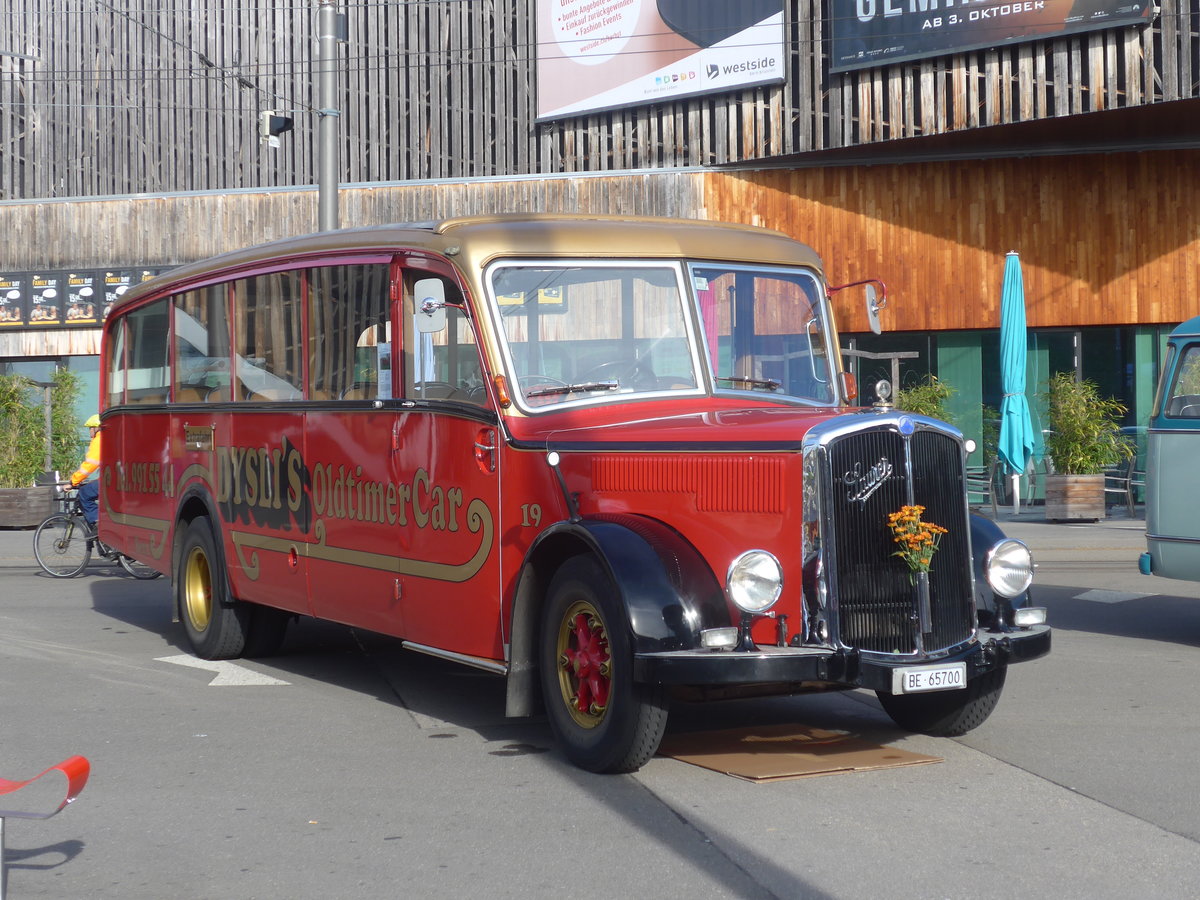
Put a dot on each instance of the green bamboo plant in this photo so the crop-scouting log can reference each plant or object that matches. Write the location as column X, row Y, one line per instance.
column 926, row 397
column 23, row 428
column 1085, row 435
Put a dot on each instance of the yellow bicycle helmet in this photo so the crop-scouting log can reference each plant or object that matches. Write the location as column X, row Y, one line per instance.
column 92, row 422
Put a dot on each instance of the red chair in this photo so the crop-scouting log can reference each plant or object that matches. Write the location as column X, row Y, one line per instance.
column 76, row 769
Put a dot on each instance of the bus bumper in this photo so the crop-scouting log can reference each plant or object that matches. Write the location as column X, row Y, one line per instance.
column 847, row 667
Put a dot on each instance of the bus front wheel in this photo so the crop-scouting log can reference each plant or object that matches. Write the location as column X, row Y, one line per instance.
column 215, row 627
column 604, row 720
column 947, row 713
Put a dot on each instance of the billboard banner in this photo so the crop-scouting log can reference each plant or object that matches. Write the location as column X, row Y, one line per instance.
column 604, row 54
column 12, row 299
column 45, row 300
column 880, row 32
column 55, row 299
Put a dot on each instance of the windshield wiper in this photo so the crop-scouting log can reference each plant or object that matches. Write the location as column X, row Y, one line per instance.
column 552, row 389
column 769, row 383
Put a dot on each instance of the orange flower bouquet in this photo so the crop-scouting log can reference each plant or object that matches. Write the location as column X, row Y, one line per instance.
column 918, row 540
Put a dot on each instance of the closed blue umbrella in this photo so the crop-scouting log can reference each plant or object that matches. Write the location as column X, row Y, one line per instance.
column 1016, row 429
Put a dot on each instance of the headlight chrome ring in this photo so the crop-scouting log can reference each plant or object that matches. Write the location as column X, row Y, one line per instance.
column 754, row 581
column 1008, row 568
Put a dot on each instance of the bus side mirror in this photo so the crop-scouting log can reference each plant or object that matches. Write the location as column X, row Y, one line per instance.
column 873, row 308
column 430, row 295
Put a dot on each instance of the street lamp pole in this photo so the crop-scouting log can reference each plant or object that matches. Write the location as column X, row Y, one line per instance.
column 330, row 29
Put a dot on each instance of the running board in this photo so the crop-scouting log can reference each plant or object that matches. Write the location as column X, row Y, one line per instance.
column 477, row 662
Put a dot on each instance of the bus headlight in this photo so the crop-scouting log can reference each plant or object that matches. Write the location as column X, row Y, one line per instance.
column 1008, row 568
column 755, row 581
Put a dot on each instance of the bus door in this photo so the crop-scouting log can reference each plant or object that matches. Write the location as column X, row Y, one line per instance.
column 356, row 503
column 266, row 524
column 445, row 459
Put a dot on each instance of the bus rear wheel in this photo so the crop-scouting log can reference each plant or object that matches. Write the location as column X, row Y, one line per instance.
column 604, row 720
column 215, row 626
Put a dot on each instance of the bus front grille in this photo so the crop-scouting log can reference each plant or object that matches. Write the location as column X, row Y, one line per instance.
column 878, row 603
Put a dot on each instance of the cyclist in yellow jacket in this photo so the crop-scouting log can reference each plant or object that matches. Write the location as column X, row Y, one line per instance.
column 87, row 476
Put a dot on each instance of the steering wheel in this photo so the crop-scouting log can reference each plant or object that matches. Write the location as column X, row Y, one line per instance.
column 628, row 372
column 534, row 380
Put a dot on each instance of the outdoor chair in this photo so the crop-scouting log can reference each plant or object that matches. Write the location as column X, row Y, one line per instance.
column 981, row 486
column 76, row 768
column 1123, row 482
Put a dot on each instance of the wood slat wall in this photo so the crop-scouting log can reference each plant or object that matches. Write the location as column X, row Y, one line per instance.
column 1104, row 239
column 171, row 229
column 164, row 95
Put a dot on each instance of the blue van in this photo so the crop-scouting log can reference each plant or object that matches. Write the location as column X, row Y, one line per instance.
column 1173, row 462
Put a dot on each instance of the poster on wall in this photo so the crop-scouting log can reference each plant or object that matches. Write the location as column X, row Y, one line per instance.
column 83, row 299
column 604, row 54
column 45, row 300
column 12, row 300
column 880, row 32
column 115, row 284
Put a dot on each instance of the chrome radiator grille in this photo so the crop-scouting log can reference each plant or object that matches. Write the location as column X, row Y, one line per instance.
column 874, row 473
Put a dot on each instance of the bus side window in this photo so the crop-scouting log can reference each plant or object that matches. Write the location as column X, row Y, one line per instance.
column 201, row 344
column 444, row 365
column 146, row 375
column 266, row 327
column 1184, row 397
column 115, row 352
column 350, row 350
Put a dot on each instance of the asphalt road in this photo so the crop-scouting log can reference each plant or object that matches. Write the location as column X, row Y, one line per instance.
column 348, row 768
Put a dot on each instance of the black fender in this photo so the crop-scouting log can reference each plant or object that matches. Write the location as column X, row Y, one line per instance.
column 668, row 591
column 993, row 609
column 194, row 502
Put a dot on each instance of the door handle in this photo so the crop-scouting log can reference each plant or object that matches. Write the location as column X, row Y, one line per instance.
column 485, row 450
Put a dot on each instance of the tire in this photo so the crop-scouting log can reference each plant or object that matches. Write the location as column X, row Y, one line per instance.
column 61, row 546
column 604, row 721
column 215, row 626
column 266, row 630
column 137, row 569
column 947, row 713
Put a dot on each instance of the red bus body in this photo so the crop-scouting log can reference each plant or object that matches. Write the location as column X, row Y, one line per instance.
column 275, row 443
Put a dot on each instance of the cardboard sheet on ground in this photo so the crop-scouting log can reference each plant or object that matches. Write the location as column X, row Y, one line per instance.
column 779, row 752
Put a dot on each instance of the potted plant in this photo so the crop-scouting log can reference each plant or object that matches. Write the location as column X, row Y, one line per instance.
column 1084, row 439
column 23, row 444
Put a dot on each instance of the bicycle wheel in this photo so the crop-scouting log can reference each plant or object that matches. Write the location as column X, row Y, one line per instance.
column 61, row 546
column 137, row 569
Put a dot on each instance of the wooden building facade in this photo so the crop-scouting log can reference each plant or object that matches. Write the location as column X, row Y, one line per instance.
column 149, row 97
column 129, row 138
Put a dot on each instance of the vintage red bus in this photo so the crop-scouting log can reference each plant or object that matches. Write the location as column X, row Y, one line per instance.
column 613, row 460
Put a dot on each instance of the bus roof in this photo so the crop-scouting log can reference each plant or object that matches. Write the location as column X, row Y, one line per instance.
column 1188, row 328
column 473, row 242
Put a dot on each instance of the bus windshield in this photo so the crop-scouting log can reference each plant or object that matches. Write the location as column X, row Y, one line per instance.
column 579, row 332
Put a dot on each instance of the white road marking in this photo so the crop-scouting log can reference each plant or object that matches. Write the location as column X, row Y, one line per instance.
column 1099, row 596
column 227, row 673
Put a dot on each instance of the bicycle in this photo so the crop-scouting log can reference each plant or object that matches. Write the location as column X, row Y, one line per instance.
column 65, row 541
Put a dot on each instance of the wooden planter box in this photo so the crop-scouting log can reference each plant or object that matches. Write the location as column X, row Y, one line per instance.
column 1075, row 498
column 25, row 507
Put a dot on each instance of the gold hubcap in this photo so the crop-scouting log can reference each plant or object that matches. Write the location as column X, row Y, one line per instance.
column 197, row 589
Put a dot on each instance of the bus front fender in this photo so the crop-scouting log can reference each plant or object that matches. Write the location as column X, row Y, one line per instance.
column 666, row 588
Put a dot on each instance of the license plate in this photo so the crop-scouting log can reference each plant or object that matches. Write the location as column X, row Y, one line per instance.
column 917, row 679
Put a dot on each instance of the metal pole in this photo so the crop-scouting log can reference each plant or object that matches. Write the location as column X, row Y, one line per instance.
column 327, row 178
column 47, row 399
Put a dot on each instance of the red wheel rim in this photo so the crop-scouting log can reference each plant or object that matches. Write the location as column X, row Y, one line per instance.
column 584, row 664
